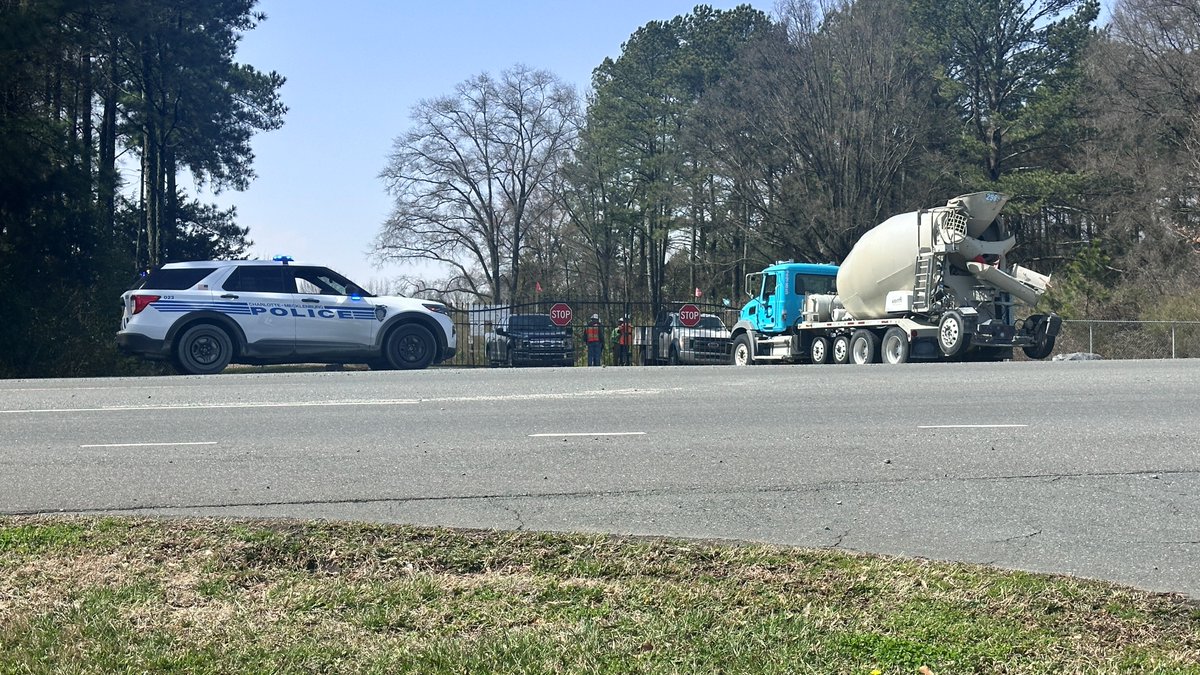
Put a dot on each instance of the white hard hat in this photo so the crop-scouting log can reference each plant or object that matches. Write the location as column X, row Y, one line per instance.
column 595, row 316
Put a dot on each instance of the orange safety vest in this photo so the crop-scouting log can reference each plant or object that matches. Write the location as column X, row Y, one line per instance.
column 624, row 334
column 592, row 333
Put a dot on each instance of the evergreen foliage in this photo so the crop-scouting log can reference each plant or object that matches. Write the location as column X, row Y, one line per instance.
column 81, row 81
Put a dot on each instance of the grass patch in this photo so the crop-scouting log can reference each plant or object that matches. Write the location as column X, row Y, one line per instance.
column 91, row 595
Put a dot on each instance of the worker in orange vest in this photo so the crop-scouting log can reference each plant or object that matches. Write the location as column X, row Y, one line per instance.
column 623, row 339
column 593, row 335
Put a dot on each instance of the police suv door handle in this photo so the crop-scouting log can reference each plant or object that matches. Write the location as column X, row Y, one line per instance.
column 229, row 296
column 310, row 300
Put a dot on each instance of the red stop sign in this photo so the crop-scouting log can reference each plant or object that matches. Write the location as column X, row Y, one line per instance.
column 561, row 314
column 689, row 315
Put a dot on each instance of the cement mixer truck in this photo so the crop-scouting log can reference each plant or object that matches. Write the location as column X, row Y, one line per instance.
column 933, row 284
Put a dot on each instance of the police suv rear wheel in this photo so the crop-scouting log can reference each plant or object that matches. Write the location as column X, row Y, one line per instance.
column 409, row 347
column 203, row 349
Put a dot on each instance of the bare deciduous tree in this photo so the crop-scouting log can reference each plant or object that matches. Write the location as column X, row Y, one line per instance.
column 1156, row 78
column 821, row 127
column 467, row 176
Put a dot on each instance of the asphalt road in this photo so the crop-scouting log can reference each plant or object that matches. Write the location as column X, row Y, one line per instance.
column 1084, row 468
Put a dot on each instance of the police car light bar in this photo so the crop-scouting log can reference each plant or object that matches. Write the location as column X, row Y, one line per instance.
column 285, row 259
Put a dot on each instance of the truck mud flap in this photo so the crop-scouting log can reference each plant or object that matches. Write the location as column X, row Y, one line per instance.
column 1039, row 325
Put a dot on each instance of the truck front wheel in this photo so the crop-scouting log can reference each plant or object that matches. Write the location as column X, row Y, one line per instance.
column 952, row 334
column 818, row 351
column 864, row 347
column 743, row 351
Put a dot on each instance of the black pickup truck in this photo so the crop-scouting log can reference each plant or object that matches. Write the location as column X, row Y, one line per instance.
column 525, row 339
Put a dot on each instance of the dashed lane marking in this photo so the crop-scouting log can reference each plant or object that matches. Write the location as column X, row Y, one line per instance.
column 597, row 433
column 971, row 426
column 145, row 445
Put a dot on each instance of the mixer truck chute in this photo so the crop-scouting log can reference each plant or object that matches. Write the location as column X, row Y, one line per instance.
column 930, row 284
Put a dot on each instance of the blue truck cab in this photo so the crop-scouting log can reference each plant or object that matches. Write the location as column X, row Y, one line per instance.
column 777, row 295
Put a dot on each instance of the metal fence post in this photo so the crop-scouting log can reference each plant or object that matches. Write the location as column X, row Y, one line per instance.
column 1172, row 339
column 1091, row 349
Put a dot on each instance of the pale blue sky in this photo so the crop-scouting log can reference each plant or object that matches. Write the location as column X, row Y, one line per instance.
column 354, row 71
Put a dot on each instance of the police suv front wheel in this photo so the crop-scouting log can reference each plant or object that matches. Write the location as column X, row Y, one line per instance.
column 409, row 347
column 203, row 349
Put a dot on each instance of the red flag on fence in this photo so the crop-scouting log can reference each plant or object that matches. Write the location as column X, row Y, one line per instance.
column 698, row 293
column 537, row 286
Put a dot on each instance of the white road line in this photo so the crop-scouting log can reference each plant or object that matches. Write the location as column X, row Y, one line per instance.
column 210, row 406
column 972, row 426
column 598, row 393
column 144, row 445
column 598, row 433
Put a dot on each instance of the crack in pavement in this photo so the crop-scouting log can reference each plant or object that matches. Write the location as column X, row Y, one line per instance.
column 1017, row 537
column 588, row 494
column 516, row 514
column 837, row 541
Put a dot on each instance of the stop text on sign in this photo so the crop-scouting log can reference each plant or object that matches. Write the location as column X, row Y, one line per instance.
column 689, row 315
column 560, row 314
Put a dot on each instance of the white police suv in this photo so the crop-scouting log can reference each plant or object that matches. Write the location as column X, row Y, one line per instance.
column 204, row 315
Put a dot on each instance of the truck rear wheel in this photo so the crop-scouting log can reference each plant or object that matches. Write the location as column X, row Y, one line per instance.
column 1041, row 349
column 841, row 349
column 895, row 346
column 818, row 351
column 952, row 334
column 864, row 347
column 743, row 351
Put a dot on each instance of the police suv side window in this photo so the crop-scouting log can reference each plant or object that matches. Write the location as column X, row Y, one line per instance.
column 176, row 279
column 256, row 279
column 306, row 287
column 324, row 280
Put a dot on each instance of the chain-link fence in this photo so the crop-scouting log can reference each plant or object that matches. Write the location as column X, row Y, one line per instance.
column 651, row 343
column 1131, row 339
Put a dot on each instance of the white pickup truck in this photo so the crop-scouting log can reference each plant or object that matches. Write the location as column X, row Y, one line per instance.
column 671, row 342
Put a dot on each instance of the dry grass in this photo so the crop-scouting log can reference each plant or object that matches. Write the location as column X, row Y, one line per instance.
column 116, row 595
